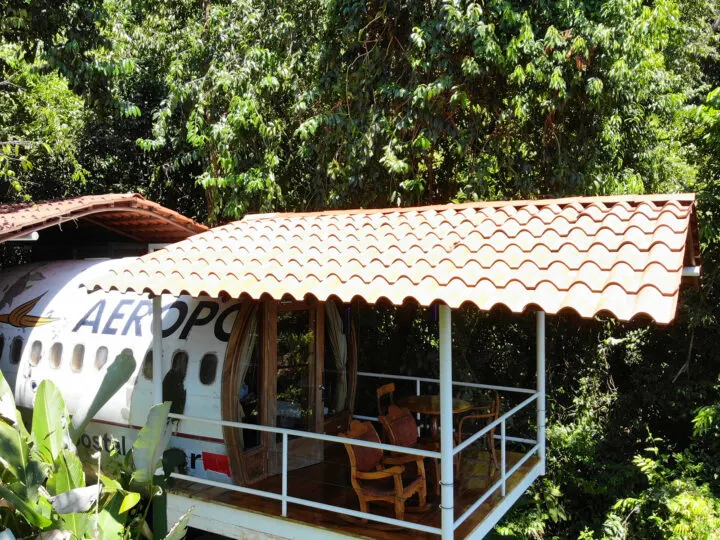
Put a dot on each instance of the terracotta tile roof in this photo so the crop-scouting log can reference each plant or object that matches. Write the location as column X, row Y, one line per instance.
column 622, row 255
column 128, row 214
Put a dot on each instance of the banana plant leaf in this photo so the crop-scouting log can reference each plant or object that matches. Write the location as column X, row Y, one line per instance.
column 49, row 422
column 110, row 523
column 151, row 443
column 76, row 500
column 68, row 474
column 117, row 374
column 32, row 512
column 14, row 452
column 7, row 401
column 179, row 530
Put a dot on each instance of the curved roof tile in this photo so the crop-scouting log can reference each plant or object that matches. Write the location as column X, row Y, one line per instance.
column 619, row 255
column 129, row 214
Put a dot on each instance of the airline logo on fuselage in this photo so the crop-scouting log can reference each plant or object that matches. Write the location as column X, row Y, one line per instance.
column 19, row 317
column 127, row 315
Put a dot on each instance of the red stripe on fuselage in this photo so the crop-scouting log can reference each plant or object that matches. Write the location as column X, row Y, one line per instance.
column 175, row 433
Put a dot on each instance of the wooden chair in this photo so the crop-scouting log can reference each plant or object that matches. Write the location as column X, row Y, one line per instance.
column 485, row 414
column 401, row 428
column 376, row 477
column 385, row 390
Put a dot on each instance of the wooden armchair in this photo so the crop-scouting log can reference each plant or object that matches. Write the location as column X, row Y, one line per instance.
column 385, row 390
column 401, row 428
column 484, row 414
column 376, row 477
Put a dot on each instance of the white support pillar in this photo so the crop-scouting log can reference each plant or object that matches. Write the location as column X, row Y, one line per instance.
column 540, row 360
column 157, row 348
column 446, row 425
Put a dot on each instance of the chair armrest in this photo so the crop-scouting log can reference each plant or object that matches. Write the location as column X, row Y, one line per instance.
column 490, row 416
column 376, row 475
column 401, row 460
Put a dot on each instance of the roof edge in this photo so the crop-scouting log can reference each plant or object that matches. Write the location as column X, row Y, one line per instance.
column 631, row 199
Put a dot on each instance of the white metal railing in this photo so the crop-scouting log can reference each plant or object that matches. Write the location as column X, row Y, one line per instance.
column 285, row 498
column 504, row 438
column 501, row 421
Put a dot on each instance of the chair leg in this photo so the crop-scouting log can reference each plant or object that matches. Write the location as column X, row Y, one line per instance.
column 399, row 508
column 493, row 452
column 363, row 508
column 422, row 495
column 436, row 474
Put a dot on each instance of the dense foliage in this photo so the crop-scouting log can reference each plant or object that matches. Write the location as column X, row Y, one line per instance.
column 218, row 108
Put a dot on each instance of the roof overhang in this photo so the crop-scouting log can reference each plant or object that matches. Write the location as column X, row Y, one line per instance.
column 620, row 255
column 128, row 214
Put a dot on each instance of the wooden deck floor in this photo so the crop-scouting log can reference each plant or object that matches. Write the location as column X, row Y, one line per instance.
column 329, row 482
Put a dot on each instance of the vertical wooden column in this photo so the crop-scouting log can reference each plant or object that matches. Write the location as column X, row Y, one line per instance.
column 446, row 425
column 157, row 348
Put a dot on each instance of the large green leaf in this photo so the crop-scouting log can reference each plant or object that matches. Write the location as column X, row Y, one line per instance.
column 151, row 443
column 115, row 378
column 76, row 500
column 179, row 530
column 110, row 523
column 7, row 401
column 32, row 512
column 49, row 423
column 80, row 524
column 14, row 453
column 129, row 501
column 68, row 474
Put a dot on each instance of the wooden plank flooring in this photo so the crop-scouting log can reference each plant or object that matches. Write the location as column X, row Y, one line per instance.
column 329, row 482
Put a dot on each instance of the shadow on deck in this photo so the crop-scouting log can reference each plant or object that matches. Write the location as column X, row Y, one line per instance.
column 328, row 482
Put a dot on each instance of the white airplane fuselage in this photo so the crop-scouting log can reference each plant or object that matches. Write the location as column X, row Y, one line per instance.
column 52, row 328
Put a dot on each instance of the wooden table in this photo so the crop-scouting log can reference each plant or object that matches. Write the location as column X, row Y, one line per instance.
column 430, row 405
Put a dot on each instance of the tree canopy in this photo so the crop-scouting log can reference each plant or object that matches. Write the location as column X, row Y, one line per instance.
column 219, row 108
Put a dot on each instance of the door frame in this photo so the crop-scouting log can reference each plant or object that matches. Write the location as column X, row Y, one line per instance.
column 253, row 465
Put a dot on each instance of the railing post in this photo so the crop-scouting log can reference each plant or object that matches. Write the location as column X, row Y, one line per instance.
column 540, row 345
column 157, row 348
column 417, row 393
column 503, row 467
column 446, row 425
column 284, row 473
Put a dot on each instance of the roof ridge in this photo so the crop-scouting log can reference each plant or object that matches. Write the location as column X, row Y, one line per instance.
column 614, row 199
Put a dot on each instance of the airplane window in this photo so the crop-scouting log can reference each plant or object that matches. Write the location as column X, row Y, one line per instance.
column 56, row 355
column 78, row 357
column 147, row 369
column 180, row 362
column 16, row 350
column 35, row 353
column 208, row 367
column 101, row 356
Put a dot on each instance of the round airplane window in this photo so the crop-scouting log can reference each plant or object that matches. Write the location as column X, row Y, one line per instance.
column 78, row 357
column 101, row 357
column 35, row 353
column 16, row 350
column 180, row 363
column 208, row 367
column 56, row 355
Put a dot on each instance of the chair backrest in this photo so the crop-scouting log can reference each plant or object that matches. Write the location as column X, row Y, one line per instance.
column 385, row 397
column 363, row 458
column 400, row 426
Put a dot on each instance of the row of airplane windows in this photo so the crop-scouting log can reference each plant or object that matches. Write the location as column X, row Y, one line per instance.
column 207, row 372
